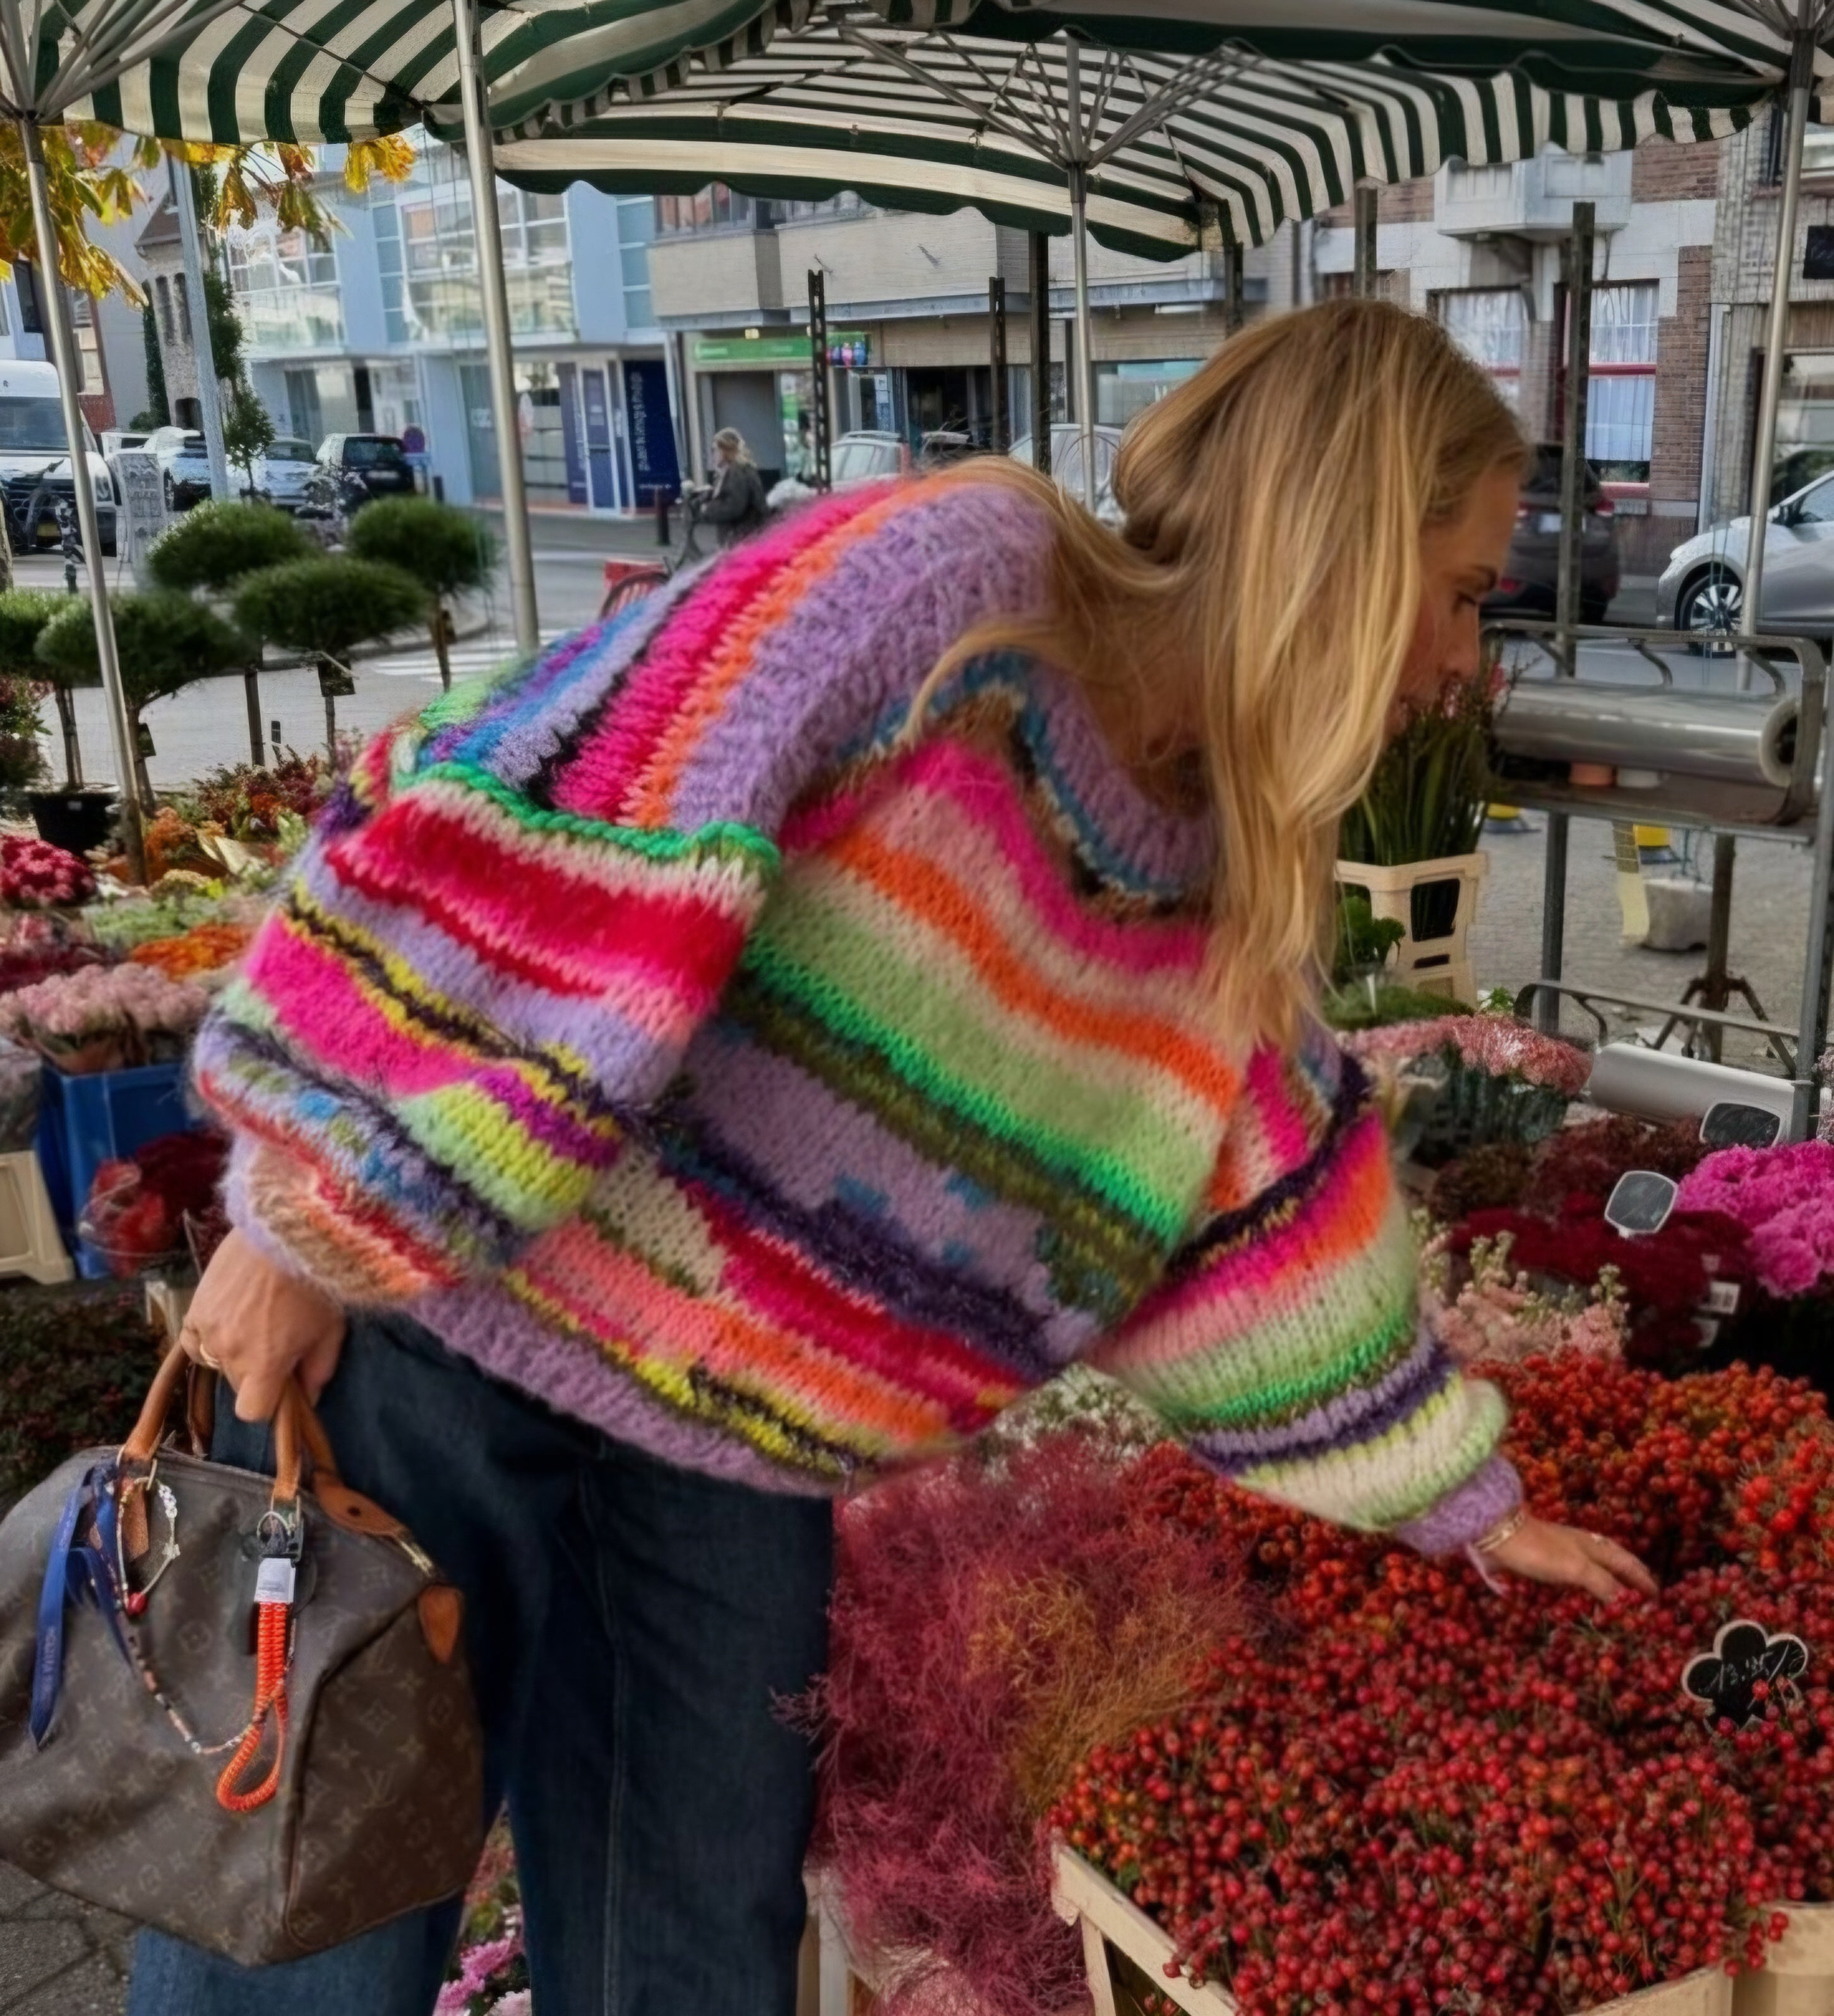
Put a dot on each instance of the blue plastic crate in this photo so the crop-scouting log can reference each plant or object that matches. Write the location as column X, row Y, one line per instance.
column 85, row 1121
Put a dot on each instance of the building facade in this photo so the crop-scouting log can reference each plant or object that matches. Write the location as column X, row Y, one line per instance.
column 379, row 329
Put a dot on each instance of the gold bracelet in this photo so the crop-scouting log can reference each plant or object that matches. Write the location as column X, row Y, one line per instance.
column 1503, row 1533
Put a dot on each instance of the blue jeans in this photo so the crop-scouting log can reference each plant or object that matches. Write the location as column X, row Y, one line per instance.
column 633, row 1630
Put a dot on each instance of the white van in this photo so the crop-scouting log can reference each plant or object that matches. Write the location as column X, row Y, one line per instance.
column 34, row 453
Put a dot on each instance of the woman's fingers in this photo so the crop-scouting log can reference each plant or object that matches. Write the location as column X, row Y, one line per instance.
column 1565, row 1558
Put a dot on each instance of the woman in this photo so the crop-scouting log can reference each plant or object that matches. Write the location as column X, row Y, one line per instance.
column 737, row 503
column 745, row 1051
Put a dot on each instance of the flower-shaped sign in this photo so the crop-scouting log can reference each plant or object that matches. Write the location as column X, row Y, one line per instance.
column 1747, row 1669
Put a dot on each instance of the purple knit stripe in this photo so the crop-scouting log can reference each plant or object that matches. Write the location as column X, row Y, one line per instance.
column 889, row 607
column 1171, row 850
column 523, row 727
column 616, row 1050
column 864, row 1255
column 814, row 1144
column 1361, row 1415
column 1462, row 1517
column 510, row 1342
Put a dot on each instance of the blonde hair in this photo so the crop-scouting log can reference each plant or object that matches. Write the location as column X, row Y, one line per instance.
column 1263, row 593
column 731, row 438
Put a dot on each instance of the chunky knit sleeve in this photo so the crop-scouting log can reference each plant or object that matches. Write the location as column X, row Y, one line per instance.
column 1283, row 1343
column 495, row 951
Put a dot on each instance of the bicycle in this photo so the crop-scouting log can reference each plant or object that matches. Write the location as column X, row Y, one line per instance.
column 333, row 497
column 23, row 530
column 631, row 583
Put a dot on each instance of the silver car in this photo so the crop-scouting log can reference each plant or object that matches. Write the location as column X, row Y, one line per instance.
column 283, row 474
column 1704, row 587
column 1066, row 464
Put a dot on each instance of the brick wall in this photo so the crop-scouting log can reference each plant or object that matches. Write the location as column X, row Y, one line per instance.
column 1396, row 202
column 1664, row 171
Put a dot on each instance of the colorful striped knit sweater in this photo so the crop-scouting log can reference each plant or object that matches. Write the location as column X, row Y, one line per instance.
column 690, row 1046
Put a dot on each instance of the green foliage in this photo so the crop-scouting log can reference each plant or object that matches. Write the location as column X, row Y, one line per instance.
column 446, row 550
column 1359, row 1007
column 1363, row 940
column 23, row 613
column 216, row 544
column 76, row 1367
column 327, row 606
column 248, row 430
column 1425, row 800
column 22, row 757
column 159, row 412
column 167, row 642
column 225, row 326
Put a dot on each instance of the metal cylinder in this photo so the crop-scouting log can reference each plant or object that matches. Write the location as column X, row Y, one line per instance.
column 1661, row 1085
column 1734, row 739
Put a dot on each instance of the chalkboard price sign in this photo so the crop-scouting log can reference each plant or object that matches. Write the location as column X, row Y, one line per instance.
column 1748, row 1667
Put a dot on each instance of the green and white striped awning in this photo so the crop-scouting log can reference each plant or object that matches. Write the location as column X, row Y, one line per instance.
column 935, row 119
column 231, row 70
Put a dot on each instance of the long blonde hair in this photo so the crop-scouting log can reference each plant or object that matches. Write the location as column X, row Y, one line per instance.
column 1263, row 593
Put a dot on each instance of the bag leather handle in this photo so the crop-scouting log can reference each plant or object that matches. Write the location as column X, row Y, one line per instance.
column 298, row 1437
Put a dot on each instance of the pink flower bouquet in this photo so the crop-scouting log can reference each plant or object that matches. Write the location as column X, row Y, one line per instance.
column 36, row 876
column 1459, row 1082
column 105, row 1018
column 1784, row 1197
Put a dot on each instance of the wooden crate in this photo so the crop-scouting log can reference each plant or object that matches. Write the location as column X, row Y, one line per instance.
column 1798, row 1975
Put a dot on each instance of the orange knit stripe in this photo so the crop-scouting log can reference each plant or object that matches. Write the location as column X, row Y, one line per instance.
column 927, row 892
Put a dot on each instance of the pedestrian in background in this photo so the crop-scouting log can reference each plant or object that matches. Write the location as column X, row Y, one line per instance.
column 736, row 504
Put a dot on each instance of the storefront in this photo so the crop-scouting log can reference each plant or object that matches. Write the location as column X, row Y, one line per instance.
column 765, row 387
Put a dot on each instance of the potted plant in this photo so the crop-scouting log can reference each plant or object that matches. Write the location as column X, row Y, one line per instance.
column 446, row 550
column 73, row 817
column 167, row 642
column 326, row 607
column 1409, row 844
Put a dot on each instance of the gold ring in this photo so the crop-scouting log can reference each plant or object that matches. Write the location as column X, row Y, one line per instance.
column 202, row 1356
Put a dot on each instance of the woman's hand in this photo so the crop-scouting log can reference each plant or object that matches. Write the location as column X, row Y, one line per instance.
column 1539, row 1551
column 257, row 1325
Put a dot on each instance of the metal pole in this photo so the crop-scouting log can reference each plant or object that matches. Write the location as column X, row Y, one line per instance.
column 1812, row 1036
column 1038, row 280
column 1363, row 274
column 1572, row 449
column 823, row 417
column 251, row 688
column 1079, row 225
column 997, row 429
column 210, row 398
column 1572, row 465
column 69, row 378
column 1764, row 448
column 1232, row 310
column 488, row 239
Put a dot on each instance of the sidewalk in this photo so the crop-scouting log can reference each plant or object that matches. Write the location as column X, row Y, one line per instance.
column 58, row 1957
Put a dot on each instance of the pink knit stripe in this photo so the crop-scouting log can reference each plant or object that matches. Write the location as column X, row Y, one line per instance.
column 981, row 791
column 1287, row 1138
column 597, row 783
column 1342, row 1222
column 777, row 1282
column 658, row 1322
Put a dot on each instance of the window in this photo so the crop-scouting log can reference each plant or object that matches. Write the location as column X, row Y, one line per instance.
column 286, row 289
column 427, row 256
column 846, row 204
column 1805, row 421
column 1817, row 152
column 88, row 348
column 1489, row 325
column 1816, row 507
column 636, row 227
column 184, row 297
column 714, row 208
column 163, row 290
column 1620, row 402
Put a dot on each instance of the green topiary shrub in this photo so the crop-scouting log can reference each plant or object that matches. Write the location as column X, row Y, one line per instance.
column 23, row 613
column 215, row 546
column 167, row 642
column 328, row 606
column 446, row 550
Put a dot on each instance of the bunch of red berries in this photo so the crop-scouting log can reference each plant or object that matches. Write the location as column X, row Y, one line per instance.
column 1406, row 1793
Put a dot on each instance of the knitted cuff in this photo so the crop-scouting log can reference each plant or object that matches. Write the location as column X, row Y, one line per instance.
column 1468, row 1511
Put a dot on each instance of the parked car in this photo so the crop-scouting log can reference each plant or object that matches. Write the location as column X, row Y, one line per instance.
column 867, row 456
column 34, row 456
column 1702, row 588
column 1066, row 464
column 283, row 474
column 376, row 465
column 115, row 439
column 185, row 463
column 1531, row 575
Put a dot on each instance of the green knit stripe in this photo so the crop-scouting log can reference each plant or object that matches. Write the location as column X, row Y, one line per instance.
column 964, row 1054
column 1098, row 1259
